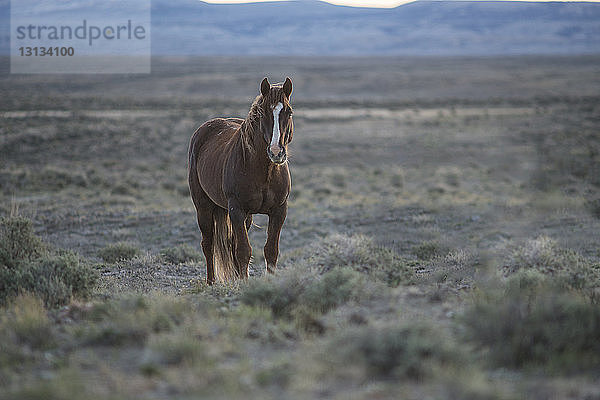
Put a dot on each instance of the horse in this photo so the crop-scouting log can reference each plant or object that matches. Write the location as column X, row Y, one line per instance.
column 237, row 168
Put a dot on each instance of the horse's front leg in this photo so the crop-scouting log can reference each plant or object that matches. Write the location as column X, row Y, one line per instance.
column 276, row 219
column 241, row 250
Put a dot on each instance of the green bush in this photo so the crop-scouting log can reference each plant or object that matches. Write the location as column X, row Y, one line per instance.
column 544, row 255
column 116, row 334
column 289, row 294
column 535, row 323
column 65, row 384
column 29, row 266
column 333, row 289
column 340, row 269
column 118, row 252
column 454, row 271
column 26, row 333
column 361, row 254
column 26, row 321
column 407, row 352
column 47, row 179
column 429, row 250
column 279, row 374
column 54, row 278
column 131, row 320
column 55, row 178
column 175, row 349
column 566, row 267
column 180, row 254
column 18, row 243
column 280, row 294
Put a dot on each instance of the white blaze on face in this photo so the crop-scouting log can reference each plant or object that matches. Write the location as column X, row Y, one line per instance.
column 275, row 149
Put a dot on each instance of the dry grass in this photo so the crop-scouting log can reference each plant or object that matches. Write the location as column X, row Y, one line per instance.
column 440, row 241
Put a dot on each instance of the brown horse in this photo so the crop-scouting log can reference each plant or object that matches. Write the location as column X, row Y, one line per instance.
column 238, row 168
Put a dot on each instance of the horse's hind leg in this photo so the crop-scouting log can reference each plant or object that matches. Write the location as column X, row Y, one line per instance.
column 206, row 225
column 204, row 210
column 276, row 219
column 243, row 251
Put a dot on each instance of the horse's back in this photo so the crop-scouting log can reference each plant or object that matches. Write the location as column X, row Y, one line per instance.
column 208, row 153
column 213, row 128
column 218, row 130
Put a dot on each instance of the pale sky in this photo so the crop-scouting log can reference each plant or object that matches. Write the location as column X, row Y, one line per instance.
column 355, row 3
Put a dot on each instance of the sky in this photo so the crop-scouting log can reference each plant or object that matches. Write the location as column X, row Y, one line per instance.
column 355, row 3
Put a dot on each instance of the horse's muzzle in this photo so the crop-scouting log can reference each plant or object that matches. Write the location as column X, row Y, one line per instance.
column 279, row 158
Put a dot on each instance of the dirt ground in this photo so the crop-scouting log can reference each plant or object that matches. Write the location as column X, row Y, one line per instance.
column 477, row 155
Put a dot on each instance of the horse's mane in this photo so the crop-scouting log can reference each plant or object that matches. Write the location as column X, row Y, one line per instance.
column 251, row 125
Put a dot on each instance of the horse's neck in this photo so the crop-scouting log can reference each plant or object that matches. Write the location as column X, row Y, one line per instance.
column 253, row 145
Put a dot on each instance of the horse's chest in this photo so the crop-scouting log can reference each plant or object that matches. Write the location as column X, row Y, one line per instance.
column 258, row 194
column 264, row 199
column 272, row 198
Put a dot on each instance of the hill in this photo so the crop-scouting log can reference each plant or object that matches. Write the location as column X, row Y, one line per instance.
column 418, row 28
column 310, row 27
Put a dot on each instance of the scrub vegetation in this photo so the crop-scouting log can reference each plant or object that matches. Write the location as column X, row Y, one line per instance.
column 441, row 240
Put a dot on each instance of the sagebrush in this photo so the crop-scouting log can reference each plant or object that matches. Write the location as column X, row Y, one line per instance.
column 27, row 265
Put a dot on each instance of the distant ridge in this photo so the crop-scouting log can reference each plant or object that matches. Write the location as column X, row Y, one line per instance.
column 311, row 27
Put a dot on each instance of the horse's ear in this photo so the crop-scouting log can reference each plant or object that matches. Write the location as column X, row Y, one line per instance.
column 287, row 87
column 265, row 87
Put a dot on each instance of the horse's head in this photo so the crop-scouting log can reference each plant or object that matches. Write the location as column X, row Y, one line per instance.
column 276, row 123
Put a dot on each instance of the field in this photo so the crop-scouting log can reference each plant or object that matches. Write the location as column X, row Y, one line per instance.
column 442, row 240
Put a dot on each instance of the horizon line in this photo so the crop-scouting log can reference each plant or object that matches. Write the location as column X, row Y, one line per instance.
column 389, row 3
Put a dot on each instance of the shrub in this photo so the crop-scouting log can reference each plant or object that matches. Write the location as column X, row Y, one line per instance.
column 67, row 383
column 397, row 180
column 454, row 271
column 534, row 323
column 279, row 374
column 26, row 333
column 333, row 289
column 542, row 254
column 594, row 207
column 290, row 295
column 566, row 267
column 361, row 254
column 46, row 179
column 279, row 294
column 117, row 333
column 118, row 252
column 54, row 278
column 54, row 178
column 29, row 266
column 408, row 352
column 26, row 322
column 131, row 320
column 180, row 254
column 175, row 349
column 429, row 250
column 18, row 243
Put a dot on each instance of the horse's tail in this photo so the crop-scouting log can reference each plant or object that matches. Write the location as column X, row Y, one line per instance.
column 224, row 262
